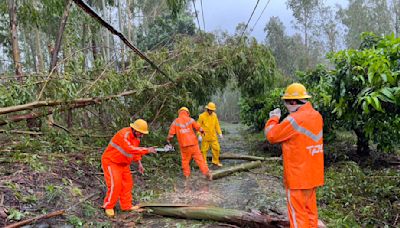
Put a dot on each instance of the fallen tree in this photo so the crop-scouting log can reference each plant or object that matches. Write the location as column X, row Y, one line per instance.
column 231, row 216
column 229, row 170
column 78, row 102
column 227, row 156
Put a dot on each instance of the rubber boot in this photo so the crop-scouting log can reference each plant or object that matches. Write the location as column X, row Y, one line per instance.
column 110, row 213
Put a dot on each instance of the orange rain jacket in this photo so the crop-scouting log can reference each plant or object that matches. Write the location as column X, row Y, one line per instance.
column 302, row 144
column 210, row 125
column 120, row 152
column 124, row 148
column 182, row 127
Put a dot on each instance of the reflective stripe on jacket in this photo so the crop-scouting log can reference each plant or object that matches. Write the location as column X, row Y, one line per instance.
column 124, row 148
column 210, row 125
column 302, row 145
column 183, row 127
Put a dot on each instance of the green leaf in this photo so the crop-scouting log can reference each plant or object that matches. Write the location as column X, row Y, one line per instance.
column 384, row 77
column 370, row 75
column 376, row 104
column 387, row 93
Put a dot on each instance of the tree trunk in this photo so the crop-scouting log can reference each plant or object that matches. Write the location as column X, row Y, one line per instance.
column 60, row 33
column 231, row 216
column 246, row 157
column 30, row 52
column 121, row 29
column 69, row 119
column 83, row 45
column 362, row 143
column 229, row 170
column 39, row 51
column 50, row 103
column 78, row 103
column 12, row 10
column 95, row 52
column 107, row 45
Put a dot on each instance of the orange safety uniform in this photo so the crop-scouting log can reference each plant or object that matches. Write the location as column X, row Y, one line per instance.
column 303, row 161
column 183, row 127
column 120, row 152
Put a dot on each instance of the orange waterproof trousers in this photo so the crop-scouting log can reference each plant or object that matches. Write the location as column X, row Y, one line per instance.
column 119, row 185
column 302, row 207
column 187, row 154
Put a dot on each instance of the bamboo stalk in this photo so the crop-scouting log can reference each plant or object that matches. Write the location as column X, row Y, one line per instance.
column 246, row 157
column 32, row 220
column 229, row 170
column 231, row 216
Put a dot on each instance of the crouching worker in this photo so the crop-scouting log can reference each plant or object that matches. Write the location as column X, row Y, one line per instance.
column 183, row 127
column 120, row 152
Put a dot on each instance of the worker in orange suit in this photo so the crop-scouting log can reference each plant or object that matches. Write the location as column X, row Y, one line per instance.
column 120, row 152
column 208, row 120
column 300, row 134
column 183, row 127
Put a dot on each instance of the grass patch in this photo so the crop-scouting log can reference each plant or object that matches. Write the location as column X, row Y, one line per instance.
column 354, row 196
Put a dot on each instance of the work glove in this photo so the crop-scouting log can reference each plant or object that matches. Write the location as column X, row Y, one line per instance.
column 221, row 136
column 275, row 112
column 200, row 138
column 152, row 150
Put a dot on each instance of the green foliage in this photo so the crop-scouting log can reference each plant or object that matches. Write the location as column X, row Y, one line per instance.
column 362, row 91
column 254, row 111
column 365, row 16
column 370, row 201
column 15, row 215
column 75, row 221
column 165, row 30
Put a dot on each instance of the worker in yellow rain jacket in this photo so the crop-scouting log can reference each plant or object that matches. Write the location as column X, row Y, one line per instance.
column 208, row 120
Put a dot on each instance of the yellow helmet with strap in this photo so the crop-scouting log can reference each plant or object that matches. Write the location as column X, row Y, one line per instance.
column 295, row 91
column 140, row 125
column 183, row 109
column 211, row 106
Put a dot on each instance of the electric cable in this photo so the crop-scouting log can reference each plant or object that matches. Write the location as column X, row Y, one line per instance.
column 262, row 12
column 247, row 24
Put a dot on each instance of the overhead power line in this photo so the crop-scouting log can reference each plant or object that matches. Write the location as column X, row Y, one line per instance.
column 195, row 12
column 248, row 21
column 262, row 12
column 202, row 15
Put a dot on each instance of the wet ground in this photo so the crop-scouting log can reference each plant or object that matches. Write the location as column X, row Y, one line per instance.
column 254, row 189
column 37, row 182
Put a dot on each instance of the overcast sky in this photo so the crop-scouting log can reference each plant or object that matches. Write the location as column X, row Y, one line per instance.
column 226, row 14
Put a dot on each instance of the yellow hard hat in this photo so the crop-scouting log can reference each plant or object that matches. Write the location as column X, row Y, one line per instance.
column 183, row 109
column 140, row 126
column 295, row 91
column 211, row 106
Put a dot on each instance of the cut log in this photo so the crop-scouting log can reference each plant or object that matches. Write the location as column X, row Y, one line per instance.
column 228, row 156
column 229, row 170
column 32, row 220
column 231, row 216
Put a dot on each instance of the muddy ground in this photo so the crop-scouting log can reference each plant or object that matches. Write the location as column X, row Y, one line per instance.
column 37, row 183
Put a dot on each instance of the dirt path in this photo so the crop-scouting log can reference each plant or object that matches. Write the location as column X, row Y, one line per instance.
column 37, row 182
column 244, row 191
